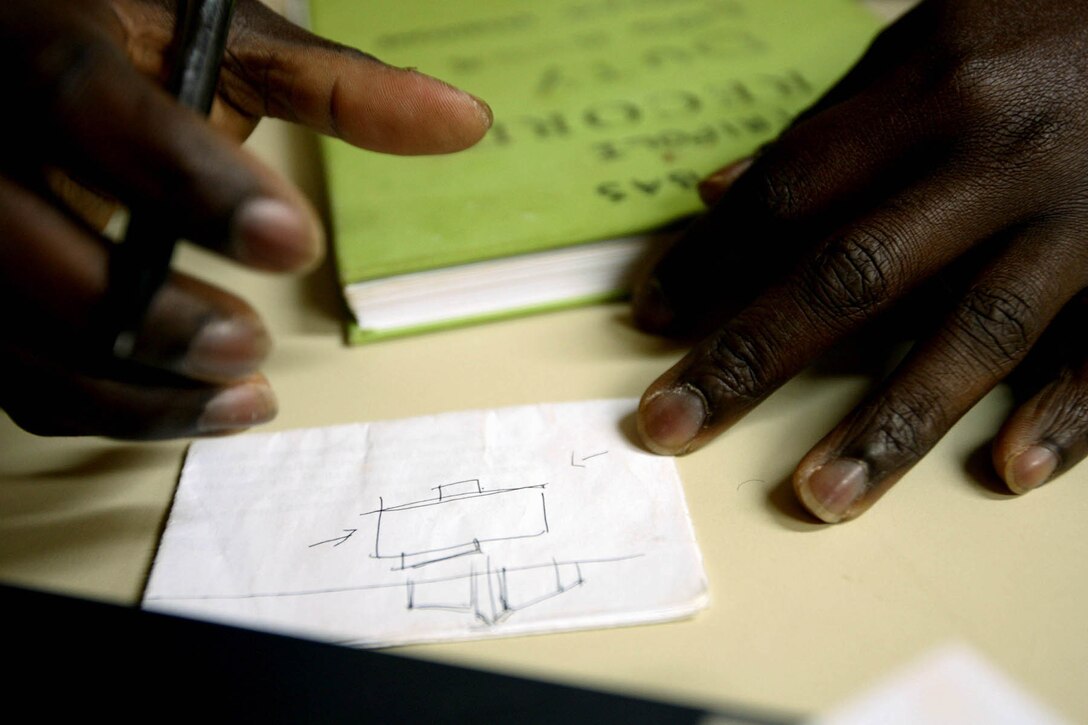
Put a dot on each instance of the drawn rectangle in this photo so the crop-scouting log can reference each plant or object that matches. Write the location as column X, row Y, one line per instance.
column 455, row 523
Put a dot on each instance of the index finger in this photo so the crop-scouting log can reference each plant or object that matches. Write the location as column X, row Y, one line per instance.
column 275, row 68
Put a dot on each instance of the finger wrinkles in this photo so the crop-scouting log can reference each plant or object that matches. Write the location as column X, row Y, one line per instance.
column 896, row 433
column 261, row 70
column 777, row 191
column 998, row 318
column 247, row 84
column 259, row 82
column 996, row 326
column 334, row 108
column 739, row 367
column 852, row 276
column 1005, row 311
column 796, row 180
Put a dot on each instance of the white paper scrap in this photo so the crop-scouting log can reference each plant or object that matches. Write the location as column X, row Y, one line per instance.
column 455, row 526
column 951, row 685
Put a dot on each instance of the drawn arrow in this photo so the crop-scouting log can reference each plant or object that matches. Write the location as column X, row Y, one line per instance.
column 339, row 539
column 582, row 464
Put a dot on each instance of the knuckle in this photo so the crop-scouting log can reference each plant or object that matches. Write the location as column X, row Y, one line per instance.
column 741, row 367
column 853, row 274
column 997, row 324
column 252, row 81
column 260, row 66
column 779, row 191
column 900, row 433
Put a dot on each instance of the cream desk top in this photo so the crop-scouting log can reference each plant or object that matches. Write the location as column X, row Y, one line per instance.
column 802, row 615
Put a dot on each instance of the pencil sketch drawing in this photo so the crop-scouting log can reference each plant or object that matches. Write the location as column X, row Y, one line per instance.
column 463, row 525
column 458, row 521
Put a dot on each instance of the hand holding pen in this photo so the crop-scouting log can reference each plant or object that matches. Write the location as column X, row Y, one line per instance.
column 95, row 128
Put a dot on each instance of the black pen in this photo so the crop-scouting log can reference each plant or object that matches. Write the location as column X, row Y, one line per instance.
column 140, row 263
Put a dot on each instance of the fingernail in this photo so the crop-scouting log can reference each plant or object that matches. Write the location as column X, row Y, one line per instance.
column 1031, row 468
column 713, row 187
column 832, row 489
column 273, row 233
column 484, row 108
column 651, row 308
column 671, row 419
column 227, row 349
column 238, row 407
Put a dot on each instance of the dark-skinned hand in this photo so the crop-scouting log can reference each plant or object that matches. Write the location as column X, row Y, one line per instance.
column 88, row 125
column 943, row 181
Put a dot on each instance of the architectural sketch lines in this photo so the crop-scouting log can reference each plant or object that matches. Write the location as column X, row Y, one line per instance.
column 508, row 591
column 448, row 498
column 454, row 535
column 474, row 483
column 448, row 526
column 404, row 558
column 463, row 516
column 399, row 584
column 459, row 521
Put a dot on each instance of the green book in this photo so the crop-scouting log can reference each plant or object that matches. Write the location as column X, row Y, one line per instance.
column 607, row 114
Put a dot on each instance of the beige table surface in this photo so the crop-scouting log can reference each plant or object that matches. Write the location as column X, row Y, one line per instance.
column 802, row 615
